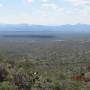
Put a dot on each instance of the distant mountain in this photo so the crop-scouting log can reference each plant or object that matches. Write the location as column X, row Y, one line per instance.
column 26, row 27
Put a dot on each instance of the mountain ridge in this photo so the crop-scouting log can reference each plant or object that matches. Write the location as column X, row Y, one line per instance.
column 29, row 27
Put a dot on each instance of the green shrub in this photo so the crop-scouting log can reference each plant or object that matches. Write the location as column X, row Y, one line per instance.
column 7, row 86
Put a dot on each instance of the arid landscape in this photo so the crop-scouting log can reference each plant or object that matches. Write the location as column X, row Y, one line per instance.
column 44, row 62
column 44, row 44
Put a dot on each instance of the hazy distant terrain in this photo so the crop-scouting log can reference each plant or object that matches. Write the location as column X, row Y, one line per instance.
column 44, row 58
column 64, row 28
column 45, row 32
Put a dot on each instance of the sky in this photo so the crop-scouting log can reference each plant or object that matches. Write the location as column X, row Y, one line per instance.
column 45, row 12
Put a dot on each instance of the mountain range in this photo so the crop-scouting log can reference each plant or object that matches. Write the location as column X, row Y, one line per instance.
column 27, row 27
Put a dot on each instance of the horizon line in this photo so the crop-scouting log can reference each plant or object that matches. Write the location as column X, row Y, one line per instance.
column 41, row 24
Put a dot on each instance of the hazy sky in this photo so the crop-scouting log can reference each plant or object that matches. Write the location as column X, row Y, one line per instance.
column 51, row 12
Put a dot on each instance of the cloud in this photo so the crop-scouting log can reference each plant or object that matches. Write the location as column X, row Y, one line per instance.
column 1, row 5
column 85, row 12
column 79, row 2
column 29, row 1
column 52, row 13
column 48, row 10
column 44, row 0
column 49, row 6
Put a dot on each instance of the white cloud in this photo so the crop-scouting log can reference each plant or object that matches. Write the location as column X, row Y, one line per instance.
column 1, row 5
column 29, row 1
column 53, row 14
column 50, row 13
column 44, row 0
column 78, row 2
column 49, row 6
column 85, row 12
column 40, row 13
column 48, row 10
